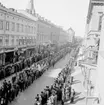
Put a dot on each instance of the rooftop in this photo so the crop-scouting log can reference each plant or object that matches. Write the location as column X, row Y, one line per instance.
column 91, row 4
column 13, row 11
column 28, row 15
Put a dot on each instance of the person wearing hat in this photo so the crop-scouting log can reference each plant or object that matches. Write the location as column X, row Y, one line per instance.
column 72, row 96
column 42, row 98
column 49, row 90
column 55, row 98
column 52, row 99
column 37, row 102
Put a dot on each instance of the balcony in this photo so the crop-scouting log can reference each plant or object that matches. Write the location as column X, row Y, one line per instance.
column 88, row 63
column 96, row 33
column 92, row 48
column 95, row 49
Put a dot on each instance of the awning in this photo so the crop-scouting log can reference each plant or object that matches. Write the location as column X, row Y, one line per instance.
column 31, row 47
column 6, row 50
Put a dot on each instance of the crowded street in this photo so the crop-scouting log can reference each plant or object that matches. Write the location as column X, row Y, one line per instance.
column 51, row 52
column 28, row 96
column 39, row 59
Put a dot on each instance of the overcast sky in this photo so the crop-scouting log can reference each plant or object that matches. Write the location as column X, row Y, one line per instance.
column 66, row 13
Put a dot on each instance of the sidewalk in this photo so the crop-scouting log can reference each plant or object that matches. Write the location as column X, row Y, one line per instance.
column 80, row 98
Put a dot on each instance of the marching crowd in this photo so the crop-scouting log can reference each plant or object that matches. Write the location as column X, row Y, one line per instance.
column 22, row 80
column 59, row 92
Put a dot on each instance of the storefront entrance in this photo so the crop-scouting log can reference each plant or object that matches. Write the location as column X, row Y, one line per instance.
column 9, row 57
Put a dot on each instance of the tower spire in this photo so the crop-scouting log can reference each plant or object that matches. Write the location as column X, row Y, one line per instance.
column 30, row 7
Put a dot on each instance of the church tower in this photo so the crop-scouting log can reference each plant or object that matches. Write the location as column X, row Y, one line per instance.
column 30, row 7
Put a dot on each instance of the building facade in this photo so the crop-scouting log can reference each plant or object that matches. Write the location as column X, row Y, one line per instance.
column 71, row 36
column 17, row 31
column 91, row 62
column 22, row 30
column 47, row 32
column 44, row 31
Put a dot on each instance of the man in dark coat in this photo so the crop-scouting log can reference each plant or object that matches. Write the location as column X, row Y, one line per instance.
column 59, row 95
column 42, row 96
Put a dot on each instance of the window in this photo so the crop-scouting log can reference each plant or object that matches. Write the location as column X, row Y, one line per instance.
column 25, row 28
column 12, row 40
column 22, row 27
column 1, row 40
column 28, row 29
column 26, row 40
column 100, row 23
column 34, row 40
column 29, row 40
column 13, row 26
column 1, row 59
column 1, row 24
column 17, row 40
column 7, row 25
column 22, row 41
column 34, row 30
column 31, row 29
column 6, row 40
column 17, row 27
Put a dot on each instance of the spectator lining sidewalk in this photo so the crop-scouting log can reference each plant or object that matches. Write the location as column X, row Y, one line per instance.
column 80, row 97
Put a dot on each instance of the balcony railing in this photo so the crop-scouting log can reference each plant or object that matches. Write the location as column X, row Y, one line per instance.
column 94, row 33
column 88, row 62
column 92, row 48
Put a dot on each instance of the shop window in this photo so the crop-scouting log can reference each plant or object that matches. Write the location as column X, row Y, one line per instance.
column 9, row 57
